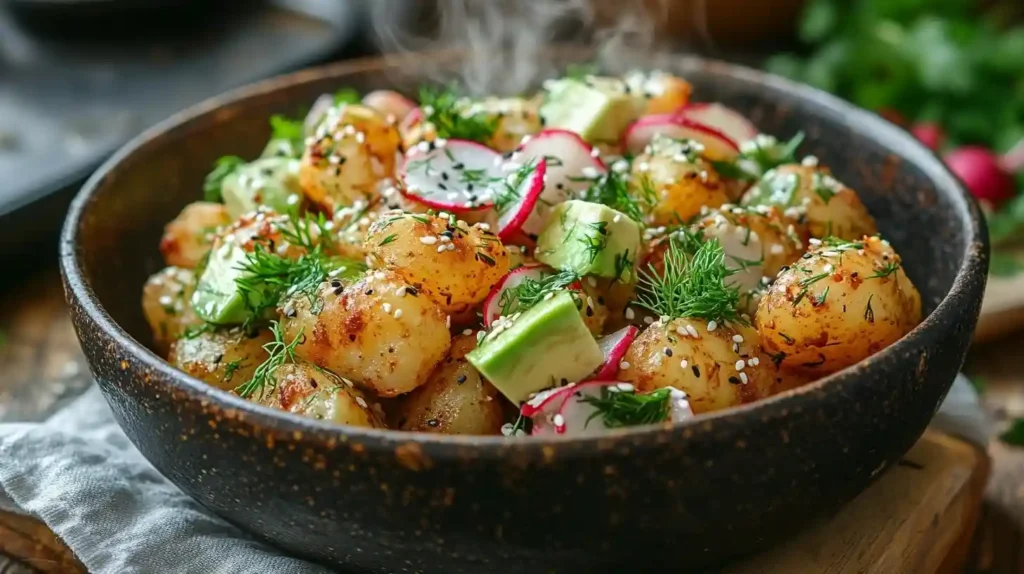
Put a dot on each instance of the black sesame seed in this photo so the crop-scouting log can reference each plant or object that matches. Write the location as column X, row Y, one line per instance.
column 335, row 283
column 600, row 300
column 590, row 311
column 444, row 176
column 560, row 186
column 218, row 358
column 339, row 290
column 734, row 380
column 696, row 371
column 312, row 382
column 668, row 352
column 565, row 381
column 459, row 165
column 370, row 292
column 442, row 186
column 461, row 379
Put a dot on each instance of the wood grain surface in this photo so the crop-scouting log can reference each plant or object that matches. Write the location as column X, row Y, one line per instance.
column 913, row 519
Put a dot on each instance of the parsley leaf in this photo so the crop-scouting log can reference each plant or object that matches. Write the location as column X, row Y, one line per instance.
column 451, row 116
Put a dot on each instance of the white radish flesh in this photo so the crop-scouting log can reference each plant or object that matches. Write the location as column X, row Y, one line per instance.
column 716, row 145
column 614, row 347
column 726, row 120
column 451, row 175
column 525, row 188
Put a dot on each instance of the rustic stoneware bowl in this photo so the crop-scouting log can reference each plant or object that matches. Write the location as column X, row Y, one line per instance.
column 683, row 496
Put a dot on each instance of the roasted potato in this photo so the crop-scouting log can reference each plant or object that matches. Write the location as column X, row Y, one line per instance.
column 807, row 191
column 679, row 179
column 593, row 309
column 456, row 399
column 187, row 238
column 313, row 392
column 353, row 149
column 165, row 303
column 841, row 303
column 380, row 332
column 225, row 358
column 719, row 367
column 452, row 262
column 665, row 93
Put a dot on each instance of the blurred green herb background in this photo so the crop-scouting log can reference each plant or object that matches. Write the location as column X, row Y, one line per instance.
column 956, row 63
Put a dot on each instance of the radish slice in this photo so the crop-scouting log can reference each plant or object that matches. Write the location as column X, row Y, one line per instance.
column 512, row 215
column 614, row 347
column 316, row 113
column 569, row 159
column 492, row 304
column 577, row 416
column 451, row 175
column 726, row 120
column 716, row 145
column 411, row 120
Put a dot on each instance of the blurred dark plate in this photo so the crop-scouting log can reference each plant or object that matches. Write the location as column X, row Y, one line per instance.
column 67, row 99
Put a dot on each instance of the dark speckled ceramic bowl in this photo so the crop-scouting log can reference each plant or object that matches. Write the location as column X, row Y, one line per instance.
column 694, row 494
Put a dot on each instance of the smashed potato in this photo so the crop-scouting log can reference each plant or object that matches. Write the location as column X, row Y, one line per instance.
column 679, row 181
column 165, row 303
column 187, row 238
column 224, row 358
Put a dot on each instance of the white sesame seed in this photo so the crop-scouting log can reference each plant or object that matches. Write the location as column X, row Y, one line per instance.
column 595, row 152
column 386, row 307
column 712, row 325
column 693, row 332
column 445, row 239
column 450, row 246
column 625, row 387
column 484, row 226
column 684, row 363
column 589, row 171
column 648, row 320
column 753, row 362
column 740, row 364
column 467, row 332
column 743, row 377
column 448, row 322
column 428, row 240
column 814, row 241
column 400, row 292
column 559, row 420
column 630, row 315
column 441, row 248
column 810, row 161
column 776, row 249
column 827, row 268
column 737, row 338
column 624, row 365
column 592, row 281
column 398, row 313
column 165, row 300
column 361, row 402
column 617, row 218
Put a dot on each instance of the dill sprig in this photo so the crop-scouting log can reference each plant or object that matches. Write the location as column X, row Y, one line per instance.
column 758, row 156
column 692, row 283
column 612, row 189
column 222, row 168
column 509, row 193
column 887, row 270
column 594, row 238
column 447, row 111
column 278, row 353
column 532, row 291
column 618, row 408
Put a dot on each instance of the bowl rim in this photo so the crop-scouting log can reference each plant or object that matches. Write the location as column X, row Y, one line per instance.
column 79, row 293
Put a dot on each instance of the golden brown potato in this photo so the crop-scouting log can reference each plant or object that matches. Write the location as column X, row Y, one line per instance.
column 830, row 208
column 225, row 358
column 456, row 399
column 165, row 303
column 682, row 182
column 843, row 302
column 515, row 118
column 379, row 332
column 593, row 309
column 188, row 237
column 665, row 93
column 452, row 262
column 353, row 149
column 719, row 368
column 313, row 392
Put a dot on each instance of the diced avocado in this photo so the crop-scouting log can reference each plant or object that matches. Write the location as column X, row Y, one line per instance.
column 591, row 239
column 599, row 109
column 216, row 298
column 546, row 346
column 272, row 181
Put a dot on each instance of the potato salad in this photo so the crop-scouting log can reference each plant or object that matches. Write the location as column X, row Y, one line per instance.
column 607, row 253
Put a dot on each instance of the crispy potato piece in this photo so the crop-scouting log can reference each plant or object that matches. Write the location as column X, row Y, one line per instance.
column 189, row 236
column 829, row 207
column 456, row 399
column 224, row 358
column 842, row 303
column 166, row 305
column 312, row 392
column 379, row 332
column 681, row 181
column 665, row 93
column 456, row 264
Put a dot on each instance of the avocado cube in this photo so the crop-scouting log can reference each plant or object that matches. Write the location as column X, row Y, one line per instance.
column 591, row 239
column 546, row 346
column 599, row 109
column 272, row 181
column 217, row 298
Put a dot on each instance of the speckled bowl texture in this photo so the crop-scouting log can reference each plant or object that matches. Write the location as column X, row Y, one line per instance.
column 682, row 497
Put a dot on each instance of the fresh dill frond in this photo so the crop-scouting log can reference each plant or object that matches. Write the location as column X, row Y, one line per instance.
column 278, row 353
column 758, row 156
column 841, row 245
column 618, row 408
column 531, row 291
column 523, row 423
column 508, row 194
column 887, row 270
column 594, row 238
column 612, row 189
column 449, row 113
column 222, row 168
column 690, row 285
column 267, row 279
column 197, row 330
column 230, row 369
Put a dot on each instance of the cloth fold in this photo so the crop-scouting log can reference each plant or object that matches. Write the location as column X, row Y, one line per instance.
column 79, row 473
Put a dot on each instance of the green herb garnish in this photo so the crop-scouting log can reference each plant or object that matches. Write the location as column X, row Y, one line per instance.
column 612, row 189
column 289, row 130
column 618, row 408
column 594, row 238
column 448, row 112
column 531, row 291
column 346, row 96
column 692, row 283
column 278, row 353
column 887, row 270
column 509, row 193
column 222, row 168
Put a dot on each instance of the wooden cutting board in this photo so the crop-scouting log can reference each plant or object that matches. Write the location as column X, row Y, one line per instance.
column 919, row 517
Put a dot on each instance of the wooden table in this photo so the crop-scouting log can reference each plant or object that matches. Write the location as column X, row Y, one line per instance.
column 44, row 368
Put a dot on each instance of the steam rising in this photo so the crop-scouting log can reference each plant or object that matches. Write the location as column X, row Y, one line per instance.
column 506, row 40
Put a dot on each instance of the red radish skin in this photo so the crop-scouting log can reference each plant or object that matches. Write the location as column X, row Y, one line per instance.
column 930, row 134
column 411, row 120
column 982, row 173
column 726, row 120
column 424, row 183
column 512, row 279
column 576, row 159
column 390, row 103
column 614, row 347
column 575, row 417
column 716, row 144
column 510, row 222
